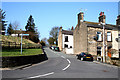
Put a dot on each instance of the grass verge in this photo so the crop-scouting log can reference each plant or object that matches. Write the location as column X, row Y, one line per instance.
column 17, row 52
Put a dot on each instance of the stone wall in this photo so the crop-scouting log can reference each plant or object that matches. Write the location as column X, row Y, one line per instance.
column 80, row 38
column 84, row 41
column 93, row 44
column 60, row 40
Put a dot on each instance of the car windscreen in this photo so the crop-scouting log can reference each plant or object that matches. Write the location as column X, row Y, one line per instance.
column 83, row 54
column 89, row 55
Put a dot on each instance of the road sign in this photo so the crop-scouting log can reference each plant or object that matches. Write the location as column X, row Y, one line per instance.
column 24, row 34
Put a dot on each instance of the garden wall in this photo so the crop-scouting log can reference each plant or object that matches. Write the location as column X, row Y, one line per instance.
column 22, row 60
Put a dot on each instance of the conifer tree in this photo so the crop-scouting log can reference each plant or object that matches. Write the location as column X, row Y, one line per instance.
column 10, row 29
column 30, row 24
column 2, row 20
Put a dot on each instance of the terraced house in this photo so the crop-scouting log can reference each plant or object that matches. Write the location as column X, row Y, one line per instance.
column 88, row 36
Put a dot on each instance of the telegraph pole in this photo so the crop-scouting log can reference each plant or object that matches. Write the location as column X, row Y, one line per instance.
column 104, row 54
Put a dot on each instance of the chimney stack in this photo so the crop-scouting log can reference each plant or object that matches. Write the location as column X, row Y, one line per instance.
column 61, row 28
column 80, row 17
column 102, row 17
column 118, row 20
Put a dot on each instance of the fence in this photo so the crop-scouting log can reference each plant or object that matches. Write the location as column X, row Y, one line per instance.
column 18, row 45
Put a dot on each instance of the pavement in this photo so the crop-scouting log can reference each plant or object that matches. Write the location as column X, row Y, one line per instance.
column 60, row 65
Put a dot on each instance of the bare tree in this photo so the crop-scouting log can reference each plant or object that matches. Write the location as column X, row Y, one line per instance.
column 44, row 39
column 16, row 26
column 54, row 33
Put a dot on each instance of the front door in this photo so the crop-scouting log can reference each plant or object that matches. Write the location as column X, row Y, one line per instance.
column 99, row 50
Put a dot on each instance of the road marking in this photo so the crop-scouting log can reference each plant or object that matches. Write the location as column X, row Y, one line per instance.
column 66, row 67
column 68, row 61
column 41, row 75
column 63, row 57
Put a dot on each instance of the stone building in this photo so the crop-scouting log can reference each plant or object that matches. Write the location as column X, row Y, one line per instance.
column 88, row 36
column 65, row 41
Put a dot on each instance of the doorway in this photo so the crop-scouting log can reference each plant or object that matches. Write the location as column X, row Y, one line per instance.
column 99, row 51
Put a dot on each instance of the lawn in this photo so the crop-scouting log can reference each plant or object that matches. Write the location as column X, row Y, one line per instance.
column 17, row 52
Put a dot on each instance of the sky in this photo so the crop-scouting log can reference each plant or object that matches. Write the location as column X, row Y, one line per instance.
column 50, row 14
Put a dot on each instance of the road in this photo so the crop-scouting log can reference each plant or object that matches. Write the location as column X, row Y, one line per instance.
column 60, row 65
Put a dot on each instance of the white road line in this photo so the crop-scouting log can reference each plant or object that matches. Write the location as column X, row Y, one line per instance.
column 41, row 75
column 63, row 57
column 68, row 61
column 66, row 67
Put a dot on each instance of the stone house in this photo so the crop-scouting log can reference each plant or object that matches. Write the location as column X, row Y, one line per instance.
column 65, row 41
column 88, row 36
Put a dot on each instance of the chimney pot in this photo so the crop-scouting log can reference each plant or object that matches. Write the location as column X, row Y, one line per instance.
column 102, row 17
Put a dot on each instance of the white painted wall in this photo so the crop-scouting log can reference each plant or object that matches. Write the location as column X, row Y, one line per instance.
column 115, row 43
column 69, row 43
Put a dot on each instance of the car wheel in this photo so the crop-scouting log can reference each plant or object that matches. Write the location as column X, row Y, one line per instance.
column 81, row 58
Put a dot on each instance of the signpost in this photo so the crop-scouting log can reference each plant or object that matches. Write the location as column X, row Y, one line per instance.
column 21, row 39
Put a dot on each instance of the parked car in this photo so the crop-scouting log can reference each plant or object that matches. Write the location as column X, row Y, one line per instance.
column 85, row 57
column 56, row 49
column 50, row 47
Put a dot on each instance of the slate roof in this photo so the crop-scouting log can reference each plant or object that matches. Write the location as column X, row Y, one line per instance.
column 97, row 25
column 67, row 32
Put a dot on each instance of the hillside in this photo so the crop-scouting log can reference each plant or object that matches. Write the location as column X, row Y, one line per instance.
column 15, row 41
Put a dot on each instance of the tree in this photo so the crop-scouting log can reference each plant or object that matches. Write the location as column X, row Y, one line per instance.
column 42, row 43
column 16, row 26
column 54, row 33
column 30, row 24
column 2, row 19
column 32, row 36
column 51, row 41
column 10, row 29
column 45, row 40
column 30, row 27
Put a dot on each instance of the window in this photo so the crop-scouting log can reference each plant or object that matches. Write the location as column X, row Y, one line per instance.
column 99, row 36
column 66, row 38
column 119, row 35
column 66, row 46
column 109, row 38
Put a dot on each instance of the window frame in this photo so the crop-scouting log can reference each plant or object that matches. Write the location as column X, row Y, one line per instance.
column 110, row 37
column 98, row 33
